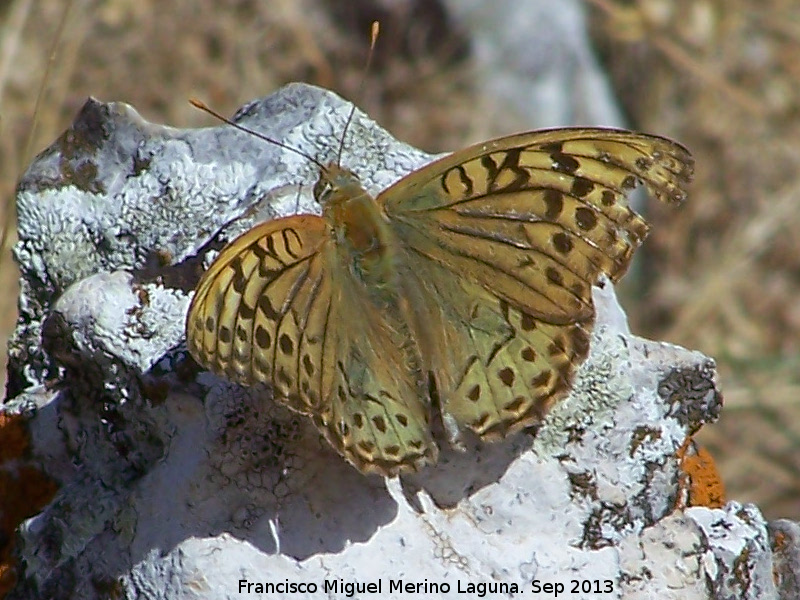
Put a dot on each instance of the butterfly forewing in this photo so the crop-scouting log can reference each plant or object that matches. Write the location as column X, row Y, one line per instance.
column 261, row 292
column 505, row 192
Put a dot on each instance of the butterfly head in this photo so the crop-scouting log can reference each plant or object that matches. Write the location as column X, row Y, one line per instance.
column 336, row 185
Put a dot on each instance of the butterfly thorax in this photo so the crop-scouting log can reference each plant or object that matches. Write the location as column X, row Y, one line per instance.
column 363, row 239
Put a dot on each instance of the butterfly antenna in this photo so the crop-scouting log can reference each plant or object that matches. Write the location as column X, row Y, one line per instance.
column 205, row 108
column 373, row 38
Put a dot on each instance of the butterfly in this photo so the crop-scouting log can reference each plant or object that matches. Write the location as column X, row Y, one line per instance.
column 460, row 293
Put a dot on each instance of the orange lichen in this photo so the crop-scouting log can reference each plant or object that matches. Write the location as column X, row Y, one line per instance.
column 14, row 438
column 24, row 491
column 699, row 482
column 8, row 575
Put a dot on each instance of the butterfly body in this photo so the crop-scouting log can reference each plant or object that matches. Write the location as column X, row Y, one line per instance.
column 466, row 284
column 364, row 243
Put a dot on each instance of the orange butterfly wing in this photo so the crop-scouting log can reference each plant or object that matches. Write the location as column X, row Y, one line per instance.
column 277, row 306
column 502, row 243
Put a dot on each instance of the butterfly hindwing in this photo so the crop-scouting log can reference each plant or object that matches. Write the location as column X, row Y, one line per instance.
column 497, row 368
column 377, row 413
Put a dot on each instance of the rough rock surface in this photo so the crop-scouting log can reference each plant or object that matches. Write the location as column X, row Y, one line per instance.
column 177, row 484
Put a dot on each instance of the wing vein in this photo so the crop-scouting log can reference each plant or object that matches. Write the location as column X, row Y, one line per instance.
column 477, row 233
column 284, row 310
column 488, row 264
column 314, row 295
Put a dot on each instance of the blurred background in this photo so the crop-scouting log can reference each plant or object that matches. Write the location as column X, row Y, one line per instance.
column 720, row 275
